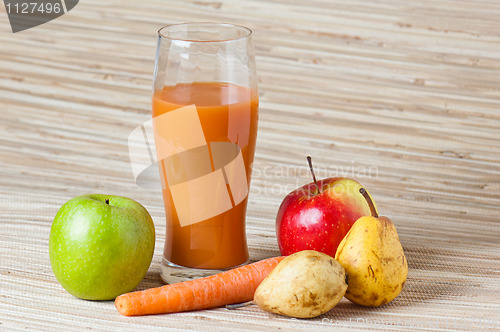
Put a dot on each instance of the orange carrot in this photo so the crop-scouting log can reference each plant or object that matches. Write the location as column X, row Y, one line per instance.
column 228, row 287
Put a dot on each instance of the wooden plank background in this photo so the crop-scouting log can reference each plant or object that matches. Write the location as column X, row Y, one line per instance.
column 403, row 96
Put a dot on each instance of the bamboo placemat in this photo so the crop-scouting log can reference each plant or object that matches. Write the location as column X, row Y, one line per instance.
column 402, row 96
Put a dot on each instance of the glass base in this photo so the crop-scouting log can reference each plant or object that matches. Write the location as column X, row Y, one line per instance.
column 172, row 273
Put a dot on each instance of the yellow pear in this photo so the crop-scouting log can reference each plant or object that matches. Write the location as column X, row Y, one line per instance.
column 373, row 259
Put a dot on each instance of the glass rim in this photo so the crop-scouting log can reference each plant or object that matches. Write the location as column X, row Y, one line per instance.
column 240, row 27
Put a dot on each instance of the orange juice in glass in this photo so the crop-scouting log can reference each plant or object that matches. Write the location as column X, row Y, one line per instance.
column 205, row 113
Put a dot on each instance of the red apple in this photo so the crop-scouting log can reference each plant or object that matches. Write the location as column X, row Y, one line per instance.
column 318, row 215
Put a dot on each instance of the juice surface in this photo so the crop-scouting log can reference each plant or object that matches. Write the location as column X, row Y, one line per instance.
column 228, row 113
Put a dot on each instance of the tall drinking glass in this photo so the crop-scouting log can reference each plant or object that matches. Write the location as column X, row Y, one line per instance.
column 205, row 112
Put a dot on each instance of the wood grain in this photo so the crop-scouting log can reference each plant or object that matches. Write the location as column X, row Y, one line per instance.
column 403, row 96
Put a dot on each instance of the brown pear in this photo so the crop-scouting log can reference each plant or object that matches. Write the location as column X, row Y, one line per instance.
column 303, row 285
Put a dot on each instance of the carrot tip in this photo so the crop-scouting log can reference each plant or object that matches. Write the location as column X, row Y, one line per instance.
column 121, row 305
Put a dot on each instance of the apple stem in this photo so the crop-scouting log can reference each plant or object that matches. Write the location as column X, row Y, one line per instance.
column 312, row 172
column 107, row 201
column 365, row 194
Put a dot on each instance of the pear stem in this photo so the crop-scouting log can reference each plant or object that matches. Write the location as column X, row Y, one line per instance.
column 312, row 172
column 107, row 201
column 238, row 305
column 365, row 194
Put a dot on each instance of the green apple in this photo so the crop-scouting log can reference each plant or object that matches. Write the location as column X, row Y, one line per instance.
column 101, row 246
